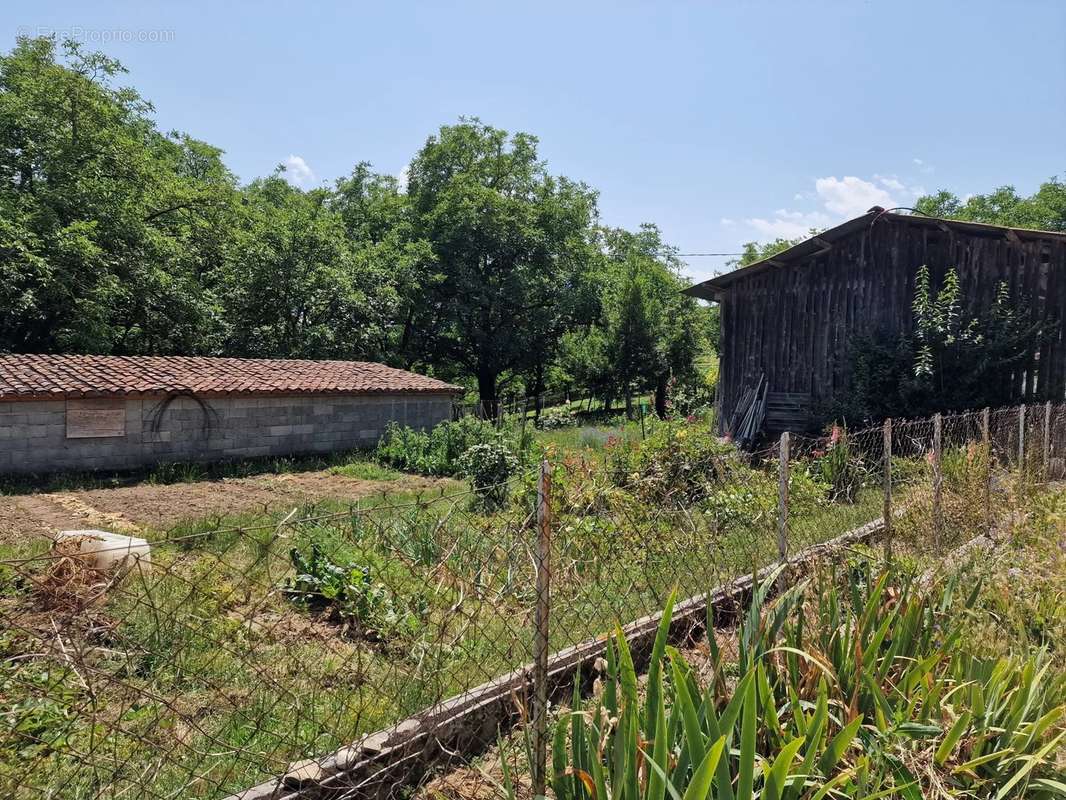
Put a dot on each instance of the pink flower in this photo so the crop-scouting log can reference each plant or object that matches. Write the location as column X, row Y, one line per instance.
column 834, row 435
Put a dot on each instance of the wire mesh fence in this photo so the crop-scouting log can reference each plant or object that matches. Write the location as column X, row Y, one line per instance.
column 352, row 652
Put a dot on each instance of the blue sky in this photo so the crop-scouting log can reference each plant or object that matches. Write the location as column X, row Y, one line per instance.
column 721, row 122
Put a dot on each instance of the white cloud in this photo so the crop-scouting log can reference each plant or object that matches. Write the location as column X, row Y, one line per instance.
column 917, row 161
column 890, row 182
column 926, row 168
column 402, row 178
column 726, row 222
column 787, row 224
column 834, row 200
column 850, row 196
column 298, row 172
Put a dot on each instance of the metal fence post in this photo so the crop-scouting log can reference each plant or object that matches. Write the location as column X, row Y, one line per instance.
column 938, row 482
column 986, row 440
column 782, row 497
column 887, row 458
column 540, row 666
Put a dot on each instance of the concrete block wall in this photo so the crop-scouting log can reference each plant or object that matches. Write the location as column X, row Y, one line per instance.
column 33, row 433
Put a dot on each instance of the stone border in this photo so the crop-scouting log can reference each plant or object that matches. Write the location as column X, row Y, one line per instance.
column 465, row 725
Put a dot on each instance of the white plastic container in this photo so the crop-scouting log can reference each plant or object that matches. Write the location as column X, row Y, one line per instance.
column 104, row 550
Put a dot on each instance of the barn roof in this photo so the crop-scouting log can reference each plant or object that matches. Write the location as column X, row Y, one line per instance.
column 62, row 376
column 710, row 289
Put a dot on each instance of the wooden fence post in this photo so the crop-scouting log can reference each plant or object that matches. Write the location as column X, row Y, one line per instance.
column 782, row 497
column 1021, row 440
column 887, row 458
column 938, row 482
column 540, row 647
column 1047, row 440
column 986, row 440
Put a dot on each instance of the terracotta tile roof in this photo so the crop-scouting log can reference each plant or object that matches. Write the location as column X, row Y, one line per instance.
column 59, row 376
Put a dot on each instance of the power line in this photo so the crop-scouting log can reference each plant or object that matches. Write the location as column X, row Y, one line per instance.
column 694, row 255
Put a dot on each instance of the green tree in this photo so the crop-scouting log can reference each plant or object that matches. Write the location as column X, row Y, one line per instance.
column 107, row 226
column 651, row 329
column 394, row 264
column 753, row 252
column 300, row 289
column 512, row 246
column 1045, row 209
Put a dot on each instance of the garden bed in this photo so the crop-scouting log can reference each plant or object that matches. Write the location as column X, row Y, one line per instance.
column 219, row 667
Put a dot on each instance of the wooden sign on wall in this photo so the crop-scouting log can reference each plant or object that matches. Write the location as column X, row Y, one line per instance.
column 95, row 418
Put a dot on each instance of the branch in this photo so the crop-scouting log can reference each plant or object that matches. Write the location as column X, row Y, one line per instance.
column 178, row 207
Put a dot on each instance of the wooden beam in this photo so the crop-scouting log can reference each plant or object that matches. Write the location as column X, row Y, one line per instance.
column 823, row 247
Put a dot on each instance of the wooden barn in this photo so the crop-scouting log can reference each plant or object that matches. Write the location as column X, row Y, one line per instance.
column 787, row 322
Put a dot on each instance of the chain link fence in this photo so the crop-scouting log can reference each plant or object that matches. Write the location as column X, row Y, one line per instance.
column 368, row 651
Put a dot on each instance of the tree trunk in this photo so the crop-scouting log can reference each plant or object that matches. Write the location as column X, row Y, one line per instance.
column 629, row 403
column 538, row 393
column 486, row 390
column 607, row 404
column 660, row 396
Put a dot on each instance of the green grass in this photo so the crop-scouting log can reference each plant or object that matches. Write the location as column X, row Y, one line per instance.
column 190, row 472
column 366, row 471
column 594, row 438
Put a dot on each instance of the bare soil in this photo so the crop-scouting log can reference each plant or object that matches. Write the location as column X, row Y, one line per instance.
column 143, row 507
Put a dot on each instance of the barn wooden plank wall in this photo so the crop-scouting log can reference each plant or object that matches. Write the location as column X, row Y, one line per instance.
column 795, row 321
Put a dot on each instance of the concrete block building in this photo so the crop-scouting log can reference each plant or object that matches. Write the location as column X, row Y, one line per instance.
column 73, row 412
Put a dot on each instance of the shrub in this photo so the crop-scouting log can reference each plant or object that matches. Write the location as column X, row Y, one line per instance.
column 489, row 467
column 750, row 498
column 952, row 360
column 556, row 418
column 688, row 400
column 434, row 452
column 677, row 460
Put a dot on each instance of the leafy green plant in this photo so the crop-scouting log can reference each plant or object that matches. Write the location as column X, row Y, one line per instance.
column 679, row 740
column 43, row 698
column 346, row 592
column 951, row 360
column 857, row 685
column 749, row 500
column 840, row 467
column 678, row 460
column 489, row 467
column 434, row 452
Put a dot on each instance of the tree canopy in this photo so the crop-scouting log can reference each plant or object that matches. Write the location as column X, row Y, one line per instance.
column 486, row 268
column 1045, row 209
